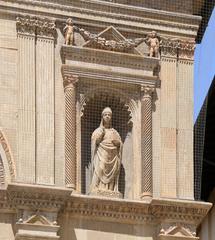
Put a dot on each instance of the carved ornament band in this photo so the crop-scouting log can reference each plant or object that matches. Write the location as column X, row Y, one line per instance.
column 35, row 26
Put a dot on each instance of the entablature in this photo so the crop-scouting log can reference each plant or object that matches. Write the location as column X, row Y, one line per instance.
column 108, row 65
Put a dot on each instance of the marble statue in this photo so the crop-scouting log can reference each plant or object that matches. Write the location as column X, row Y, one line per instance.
column 106, row 151
column 154, row 44
column 69, row 30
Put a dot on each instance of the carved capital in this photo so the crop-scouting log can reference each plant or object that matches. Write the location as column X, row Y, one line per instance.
column 178, row 48
column 26, row 25
column 186, row 49
column 147, row 91
column 169, row 47
column 69, row 80
column 35, row 26
column 45, row 28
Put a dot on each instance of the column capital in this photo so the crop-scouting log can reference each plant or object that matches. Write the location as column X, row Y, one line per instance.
column 186, row 49
column 45, row 28
column 26, row 25
column 169, row 47
column 69, row 80
column 147, row 91
column 32, row 25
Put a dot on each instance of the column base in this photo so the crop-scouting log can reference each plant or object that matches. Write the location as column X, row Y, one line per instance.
column 70, row 185
column 146, row 196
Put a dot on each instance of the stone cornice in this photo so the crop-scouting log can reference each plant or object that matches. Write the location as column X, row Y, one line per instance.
column 18, row 196
column 165, row 22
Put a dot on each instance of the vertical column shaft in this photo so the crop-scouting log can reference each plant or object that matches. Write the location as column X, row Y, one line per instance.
column 26, row 100
column 146, row 141
column 70, row 131
column 45, row 160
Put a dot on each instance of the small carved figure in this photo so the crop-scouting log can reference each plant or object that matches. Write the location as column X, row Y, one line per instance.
column 106, row 148
column 69, row 30
column 154, row 43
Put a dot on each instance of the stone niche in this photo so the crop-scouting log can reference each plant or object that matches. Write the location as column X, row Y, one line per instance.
column 95, row 78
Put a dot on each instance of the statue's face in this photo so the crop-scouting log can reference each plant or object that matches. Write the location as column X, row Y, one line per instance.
column 107, row 117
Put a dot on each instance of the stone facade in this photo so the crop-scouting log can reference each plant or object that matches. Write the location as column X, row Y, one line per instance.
column 49, row 90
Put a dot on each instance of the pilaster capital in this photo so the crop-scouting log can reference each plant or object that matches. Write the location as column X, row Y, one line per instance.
column 26, row 25
column 177, row 48
column 147, row 91
column 33, row 25
column 186, row 49
column 169, row 47
column 45, row 28
column 69, row 80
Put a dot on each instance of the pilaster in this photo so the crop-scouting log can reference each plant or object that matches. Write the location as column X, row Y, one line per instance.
column 168, row 118
column 70, row 130
column 185, row 119
column 26, row 30
column 45, row 160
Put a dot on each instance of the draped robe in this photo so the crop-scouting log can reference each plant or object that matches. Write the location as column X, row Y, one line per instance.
column 106, row 159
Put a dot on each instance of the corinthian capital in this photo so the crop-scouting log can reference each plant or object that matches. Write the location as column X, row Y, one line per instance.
column 45, row 27
column 26, row 25
column 34, row 25
column 147, row 91
column 69, row 80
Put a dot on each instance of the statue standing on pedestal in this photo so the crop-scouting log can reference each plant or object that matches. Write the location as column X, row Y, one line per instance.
column 69, row 31
column 106, row 150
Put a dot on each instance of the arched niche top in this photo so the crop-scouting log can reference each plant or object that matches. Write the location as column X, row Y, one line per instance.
column 109, row 92
column 7, row 165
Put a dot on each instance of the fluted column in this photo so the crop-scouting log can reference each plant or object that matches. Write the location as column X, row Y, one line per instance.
column 146, row 122
column 26, row 38
column 70, row 130
column 45, row 125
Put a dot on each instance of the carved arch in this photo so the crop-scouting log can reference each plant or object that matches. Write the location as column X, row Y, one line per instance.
column 129, row 103
column 7, row 166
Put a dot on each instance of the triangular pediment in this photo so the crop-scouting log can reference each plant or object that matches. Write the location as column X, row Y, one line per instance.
column 179, row 232
column 38, row 220
column 111, row 39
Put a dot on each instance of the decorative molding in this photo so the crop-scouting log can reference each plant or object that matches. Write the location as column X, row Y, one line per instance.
column 32, row 25
column 177, row 230
column 9, row 156
column 37, row 197
column 112, row 40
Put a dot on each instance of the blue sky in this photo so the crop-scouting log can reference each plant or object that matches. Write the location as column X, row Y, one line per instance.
column 204, row 65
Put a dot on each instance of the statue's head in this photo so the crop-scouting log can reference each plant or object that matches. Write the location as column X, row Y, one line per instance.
column 153, row 34
column 107, row 116
column 69, row 21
